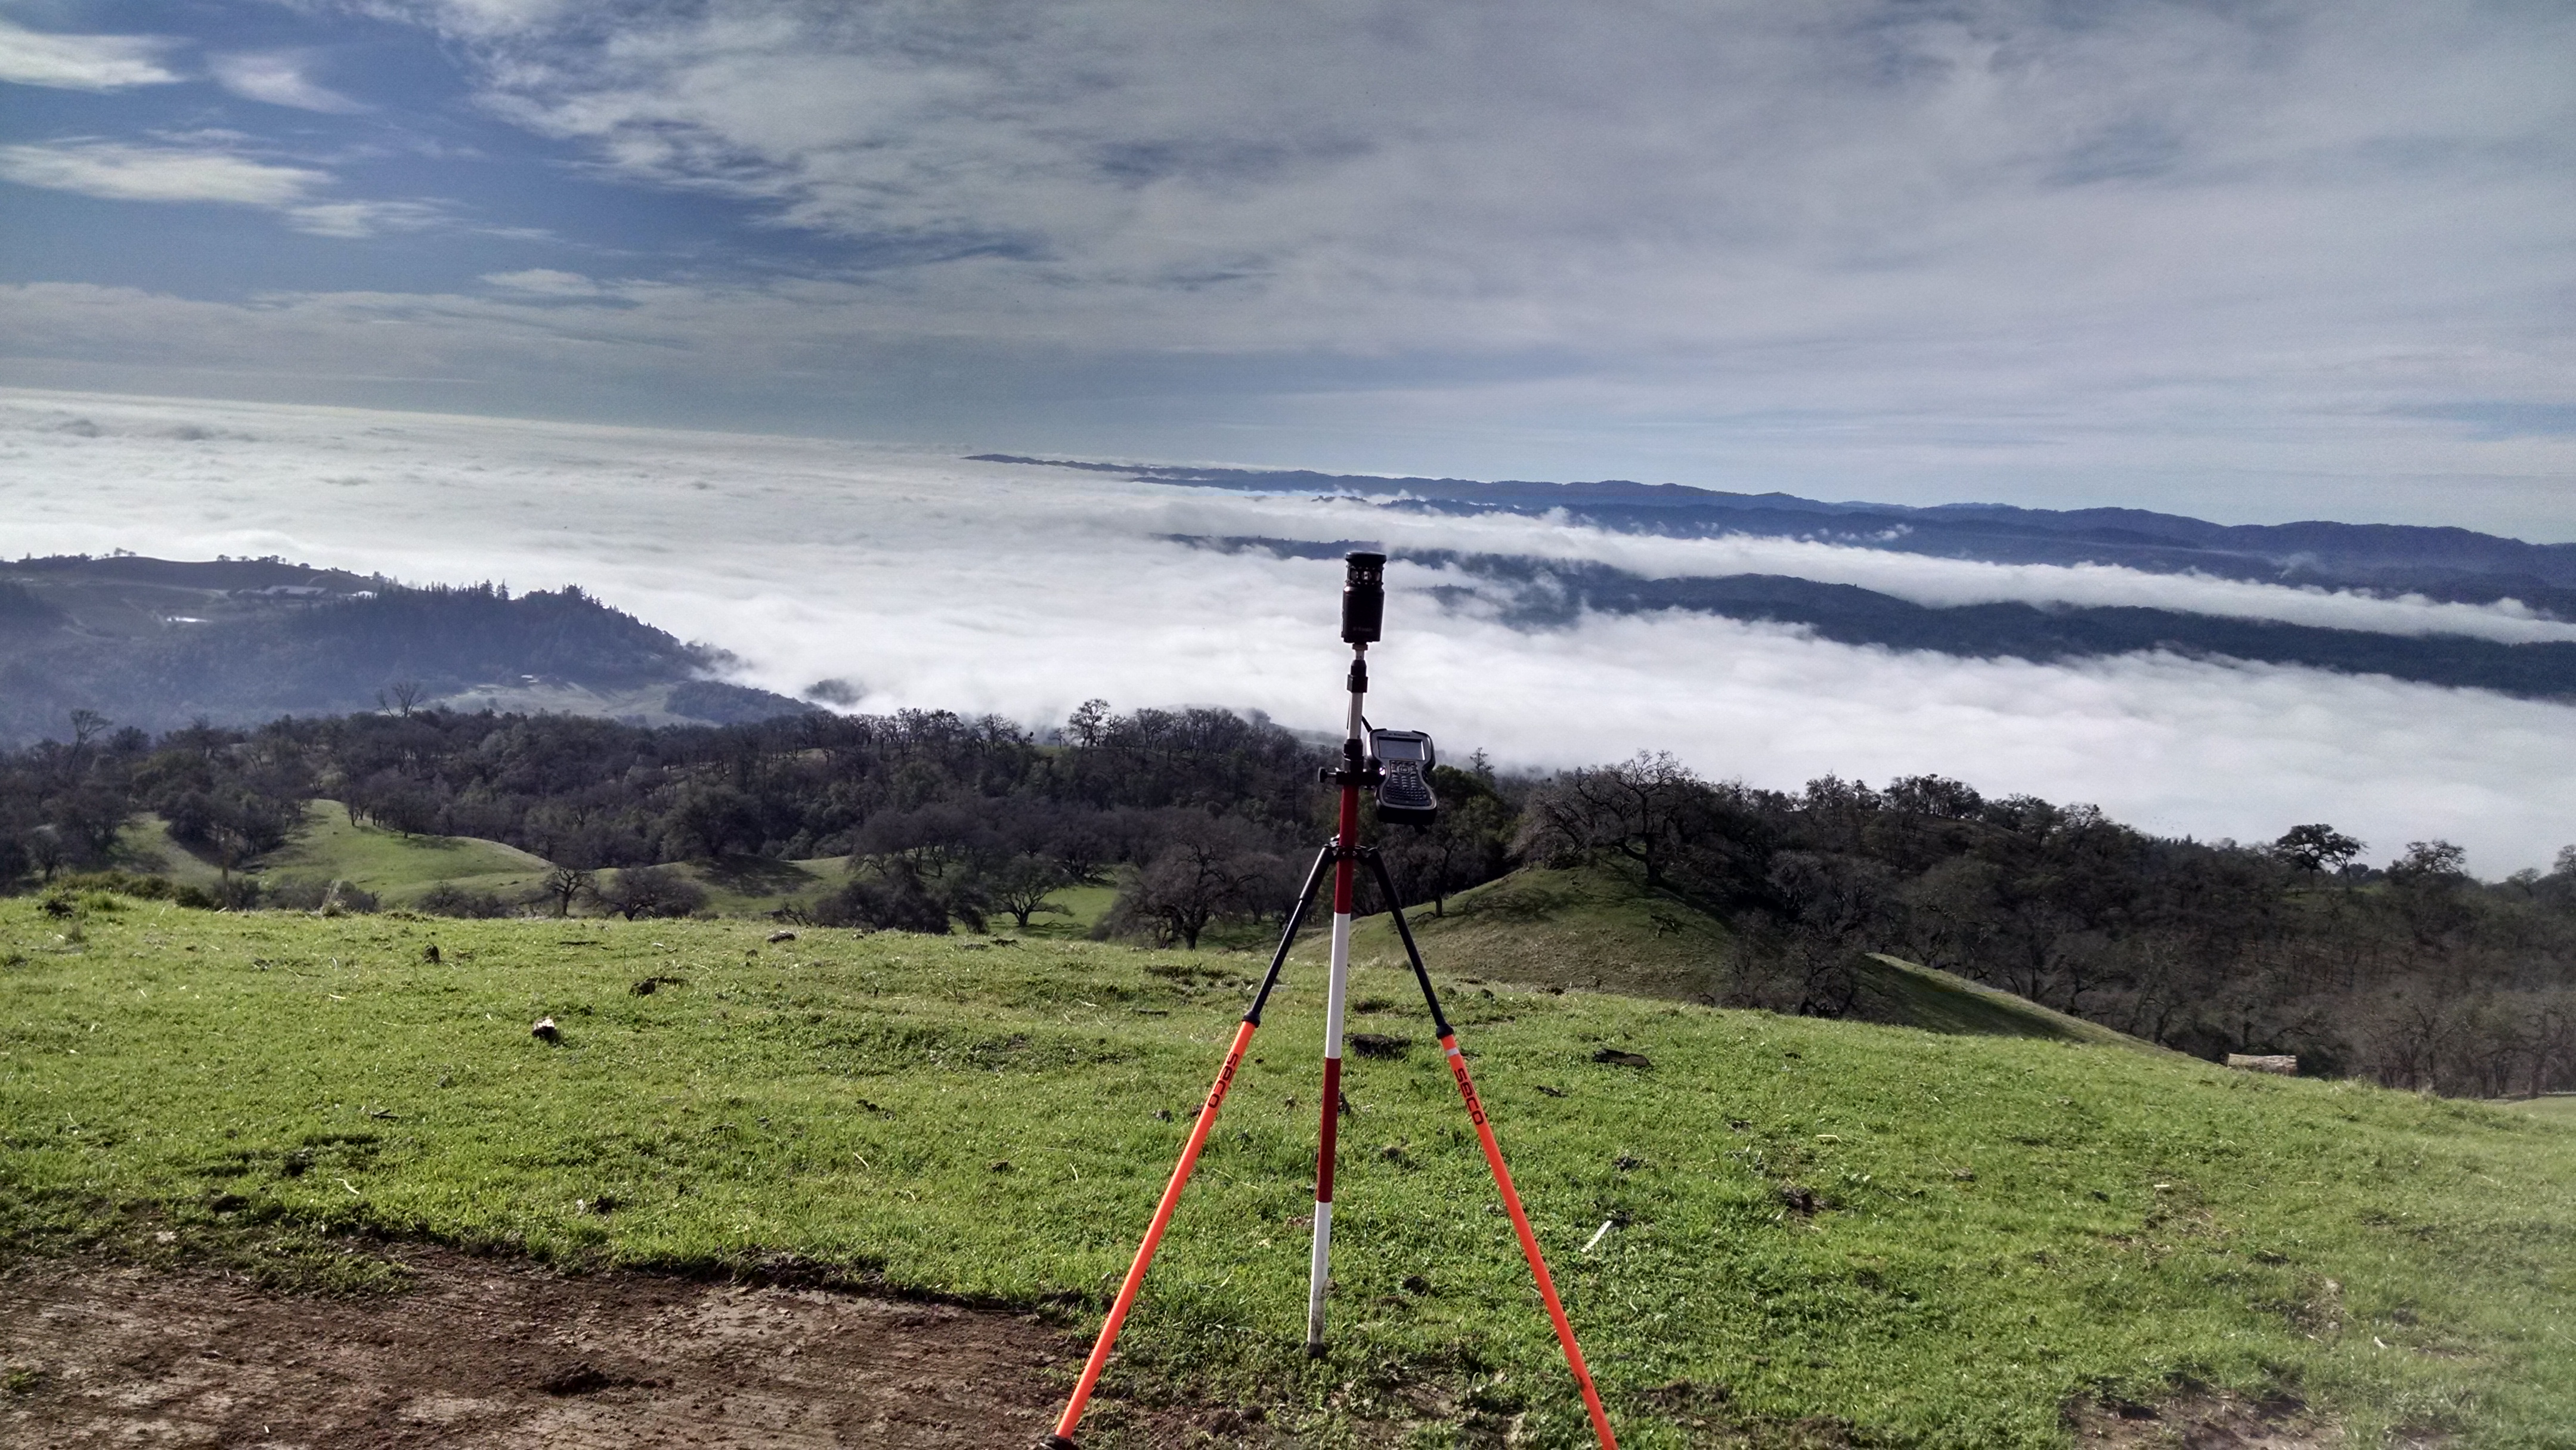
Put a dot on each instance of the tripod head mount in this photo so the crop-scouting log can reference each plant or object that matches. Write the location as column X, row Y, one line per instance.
column 1394, row 765
column 1363, row 598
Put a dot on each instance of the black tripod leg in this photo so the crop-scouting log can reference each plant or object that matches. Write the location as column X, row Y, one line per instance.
column 1412, row 953
column 1288, row 935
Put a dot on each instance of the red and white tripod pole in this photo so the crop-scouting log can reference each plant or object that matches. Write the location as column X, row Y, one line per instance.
column 1346, row 845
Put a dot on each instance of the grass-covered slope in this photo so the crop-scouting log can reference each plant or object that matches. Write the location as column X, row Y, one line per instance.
column 1600, row 926
column 1928, row 1240
column 395, row 864
column 1594, row 926
column 145, row 845
column 399, row 867
column 750, row 886
column 1906, row 994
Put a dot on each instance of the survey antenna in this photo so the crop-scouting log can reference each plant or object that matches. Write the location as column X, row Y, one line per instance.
column 1394, row 765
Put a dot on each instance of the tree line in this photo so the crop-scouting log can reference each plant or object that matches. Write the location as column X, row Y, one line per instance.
column 2413, row 973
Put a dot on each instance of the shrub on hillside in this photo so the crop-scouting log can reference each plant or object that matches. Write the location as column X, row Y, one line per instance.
column 331, row 898
column 651, row 891
column 449, row 899
column 123, row 883
column 889, row 896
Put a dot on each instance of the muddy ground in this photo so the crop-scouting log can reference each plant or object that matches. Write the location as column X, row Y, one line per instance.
column 490, row 1354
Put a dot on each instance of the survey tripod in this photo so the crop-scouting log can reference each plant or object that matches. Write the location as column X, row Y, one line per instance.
column 1363, row 610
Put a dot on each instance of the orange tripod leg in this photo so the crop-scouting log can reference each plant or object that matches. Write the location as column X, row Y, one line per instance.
column 1529, row 1243
column 1099, row 1360
column 1494, row 1160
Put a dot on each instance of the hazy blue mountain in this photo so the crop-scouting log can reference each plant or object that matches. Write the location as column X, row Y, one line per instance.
column 159, row 643
column 1546, row 593
column 2442, row 563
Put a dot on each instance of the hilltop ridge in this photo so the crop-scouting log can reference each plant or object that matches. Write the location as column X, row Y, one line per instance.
column 2441, row 562
column 158, row 643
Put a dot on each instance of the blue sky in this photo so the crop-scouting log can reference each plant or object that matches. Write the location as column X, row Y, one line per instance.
column 2252, row 260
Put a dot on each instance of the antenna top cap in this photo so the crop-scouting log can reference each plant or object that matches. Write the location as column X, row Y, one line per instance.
column 1363, row 598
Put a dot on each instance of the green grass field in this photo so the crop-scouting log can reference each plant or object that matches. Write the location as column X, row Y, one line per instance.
column 1903, row 993
column 145, row 845
column 757, row 885
column 395, row 865
column 1592, row 926
column 1999, row 1224
column 398, row 867
column 1600, row 926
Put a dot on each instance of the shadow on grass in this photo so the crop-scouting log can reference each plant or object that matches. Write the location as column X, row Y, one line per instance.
column 758, row 875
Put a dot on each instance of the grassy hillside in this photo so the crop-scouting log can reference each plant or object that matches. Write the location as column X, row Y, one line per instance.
column 1588, row 926
column 758, row 885
column 1599, row 926
column 159, row 642
column 395, row 865
column 145, row 845
column 1822, row 1229
column 399, row 867
column 1902, row 993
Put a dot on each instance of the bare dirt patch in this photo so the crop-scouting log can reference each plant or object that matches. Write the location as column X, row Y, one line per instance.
column 2202, row 1422
column 494, row 1354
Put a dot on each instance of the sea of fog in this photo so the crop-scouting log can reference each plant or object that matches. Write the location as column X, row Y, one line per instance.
column 929, row 581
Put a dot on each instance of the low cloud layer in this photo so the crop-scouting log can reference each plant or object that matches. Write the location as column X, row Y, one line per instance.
column 1923, row 579
column 934, row 582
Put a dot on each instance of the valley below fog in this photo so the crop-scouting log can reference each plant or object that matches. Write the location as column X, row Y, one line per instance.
column 925, row 580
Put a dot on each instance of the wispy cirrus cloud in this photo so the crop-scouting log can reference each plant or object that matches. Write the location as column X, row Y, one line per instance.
column 545, row 282
column 83, row 62
column 280, row 78
column 124, row 171
column 213, row 173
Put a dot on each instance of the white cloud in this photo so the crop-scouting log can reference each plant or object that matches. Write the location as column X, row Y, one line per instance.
column 1619, row 177
column 212, row 172
column 2258, row 262
column 82, row 62
column 279, row 78
column 545, row 282
column 119, row 171
column 356, row 219
column 936, row 582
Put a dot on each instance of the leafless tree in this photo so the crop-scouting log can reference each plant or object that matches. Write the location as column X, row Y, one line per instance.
column 566, row 886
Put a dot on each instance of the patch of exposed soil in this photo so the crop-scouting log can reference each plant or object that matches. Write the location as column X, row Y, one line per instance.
column 494, row 1354
column 2202, row 1422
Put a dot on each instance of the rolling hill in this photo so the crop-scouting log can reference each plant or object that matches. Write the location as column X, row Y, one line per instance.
column 1598, row 927
column 158, row 643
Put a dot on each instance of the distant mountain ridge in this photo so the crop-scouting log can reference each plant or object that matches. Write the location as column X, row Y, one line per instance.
column 2454, row 564
column 1548, row 593
column 158, row 643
